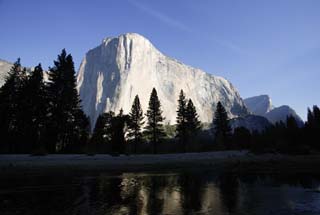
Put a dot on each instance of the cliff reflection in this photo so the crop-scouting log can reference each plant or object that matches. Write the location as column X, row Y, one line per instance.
column 199, row 192
column 162, row 194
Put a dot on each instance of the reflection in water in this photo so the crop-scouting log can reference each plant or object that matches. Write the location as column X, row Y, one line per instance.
column 176, row 193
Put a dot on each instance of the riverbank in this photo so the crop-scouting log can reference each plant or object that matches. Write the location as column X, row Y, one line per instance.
column 227, row 161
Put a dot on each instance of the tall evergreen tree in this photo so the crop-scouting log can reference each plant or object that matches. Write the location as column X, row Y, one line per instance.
column 192, row 118
column 82, row 129
column 310, row 117
column 118, row 130
column 193, row 125
column 34, row 110
column 10, row 94
column 101, row 137
column 154, row 119
column 221, row 127
column 181, row 129
column 64, row 123
column 313, row 127
column 316, row 115
column 135, row 122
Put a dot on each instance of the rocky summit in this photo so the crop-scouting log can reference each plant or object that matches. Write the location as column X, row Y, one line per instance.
column 113, row 73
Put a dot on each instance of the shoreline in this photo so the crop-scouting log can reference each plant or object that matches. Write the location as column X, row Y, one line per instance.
column 234, row 162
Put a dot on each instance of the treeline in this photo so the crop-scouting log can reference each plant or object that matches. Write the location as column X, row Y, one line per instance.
column 145, row 133
column 287, row 137
column 40, row 117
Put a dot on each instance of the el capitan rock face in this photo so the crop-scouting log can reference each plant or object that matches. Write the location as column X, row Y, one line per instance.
column 112, row 74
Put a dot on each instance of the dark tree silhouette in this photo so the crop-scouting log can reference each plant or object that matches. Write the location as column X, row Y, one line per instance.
column 154, row 115
column 192, row 118
column 221, row 126
column 241, row 138
column 135, row 122
column 118, row 130
column 312, row 127
column 10, row 95
column 65, row 111
column 35, row 105
column 193, row 125
column 101, row 137
column 181, row 129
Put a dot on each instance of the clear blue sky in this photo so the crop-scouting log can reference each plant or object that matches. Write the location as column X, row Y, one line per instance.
column 261, row 46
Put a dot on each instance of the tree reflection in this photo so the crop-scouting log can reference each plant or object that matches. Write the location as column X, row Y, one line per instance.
column 229, row 189
column 179, row 193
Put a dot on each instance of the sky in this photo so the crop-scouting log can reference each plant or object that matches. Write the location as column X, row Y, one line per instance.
column 263, row 47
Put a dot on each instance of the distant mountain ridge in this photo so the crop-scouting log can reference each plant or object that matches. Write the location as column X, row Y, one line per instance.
column 262, row 106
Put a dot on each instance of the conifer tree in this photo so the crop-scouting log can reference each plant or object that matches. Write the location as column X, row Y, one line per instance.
column 9, row 108
column 221, row 126
column 135, row 122
column 64, row 123
column 82, row 128
column 118, row 130
column 316, row 115
column 193, row 124
column 313, row 127
column 192, row 118
column 154, row 119
column 181, row 128
column 34, row 110
column 101, row 136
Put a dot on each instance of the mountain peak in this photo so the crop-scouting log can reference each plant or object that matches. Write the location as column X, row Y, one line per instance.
column 259, row 105
column 112, row 74
column 127, row 36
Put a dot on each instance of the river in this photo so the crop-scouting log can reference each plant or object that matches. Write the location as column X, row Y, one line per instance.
column 183, row 192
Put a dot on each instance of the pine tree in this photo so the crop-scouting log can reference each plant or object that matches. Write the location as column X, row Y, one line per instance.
column 313, row 127
column 101, row 136
column 154, row 119
column 221, row 126
column 310, row 117
column 181, row 129
column 10, row 94
column 118, row 130
column 64, row 122
column 135, row 122
column 193, row 124
column 192, row 118
column 82, row 128
column 316, row 114
column 34, row 110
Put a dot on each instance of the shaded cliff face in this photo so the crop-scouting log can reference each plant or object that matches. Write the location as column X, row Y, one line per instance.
column 281, row 113
column 112, row 74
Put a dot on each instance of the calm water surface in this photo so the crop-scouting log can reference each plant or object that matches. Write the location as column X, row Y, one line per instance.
column 200, row 192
